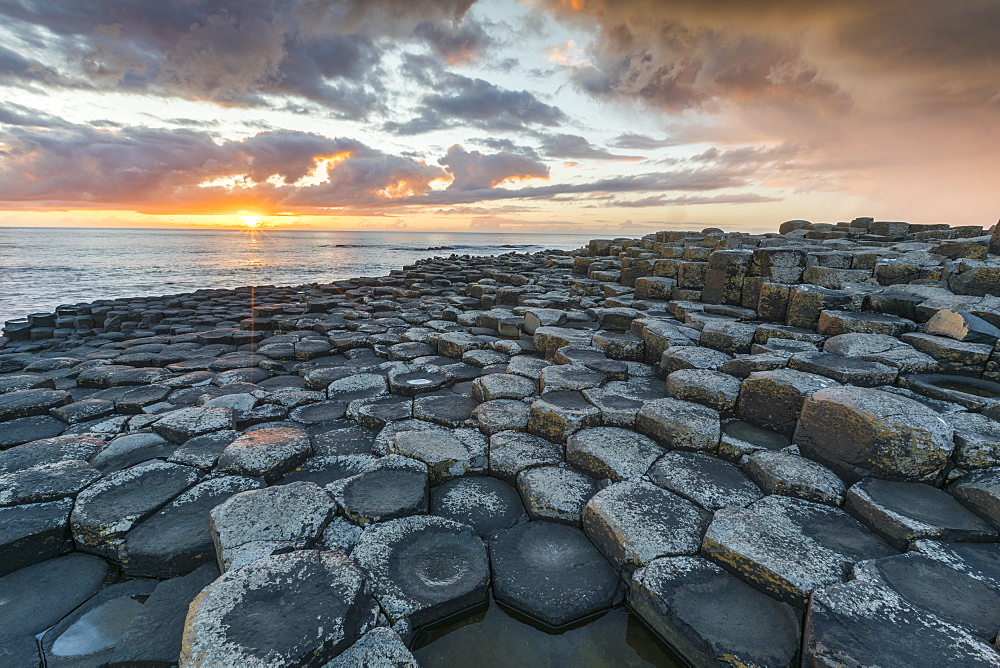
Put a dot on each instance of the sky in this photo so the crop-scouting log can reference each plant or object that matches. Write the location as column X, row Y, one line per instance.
column 610, row 116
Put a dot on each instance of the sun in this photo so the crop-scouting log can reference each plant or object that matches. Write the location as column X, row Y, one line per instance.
column 251, row 221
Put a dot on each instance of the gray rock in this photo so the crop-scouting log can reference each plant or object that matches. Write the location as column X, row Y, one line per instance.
column 111, row 507
column 864, row 624
column 26, row 403
column 379, row 648
column 46, row 482
column 859, row 344
column 268, row 452
column 511, row 452
column 861, row 432
column 359, row 386
column 351, row 439
column 692, row 357
column 488, row 505
column 980, row 491
column 49, row 451
column 962, row 326
column 788, row 547
column 680, row 424
column 203, row 451
column 935, row 586
column 634, row 522
column 552, row 573
column 569, row 377
column 502, row 386
column 555, row 493
column 424, row 568
column 714, row 389
column 979, row 560
column 977, row 440
column 258, row 522
column 33, row 532
column 392, row 486
column 708, row 481
column 180, row 425
column 611, row 452
column 773, row 399
column 788, row 474
column 902, row 512
column 848, row 370
column 706, row 613
column 301, row 608
column 130, row 449
column 501, row 415
column 446, row 455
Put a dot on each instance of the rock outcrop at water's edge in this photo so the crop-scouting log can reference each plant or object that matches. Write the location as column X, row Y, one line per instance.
column 777, row 450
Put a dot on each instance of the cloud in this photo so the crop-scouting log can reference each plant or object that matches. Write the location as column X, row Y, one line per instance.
column 638, row 142
column 687, row 200
column 577, row 147
column 478, row 103
column 473, row 170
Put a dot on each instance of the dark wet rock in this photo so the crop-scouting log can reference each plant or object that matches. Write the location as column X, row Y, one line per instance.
column 711, row 617
column 135, row 399
column 708, row 481
column 789, row 474
column 788, row 547
column 935, row 586
column 268, row 452
column 177, row 540
column 511, row 452
column 153, row 637
column 49, row 451
column 300, row 608
column 487, row 504
column 379, row 648
column 962, row 326
column 611, row 452
column 679, row 424
column 35, row 597
column 501, row 415
column 714, row 389
column 86, row 409
column 359, row 386
column 350, row 439
column 259, row 522
column 846, row 370
column 377, row 412
column 32, row 533
column 423, row 568
column 24, row 381
column 527, row 366
column 980, row 491
column 634, row 522
column 619, row 402
column 326, row 470
column 447, row 454
column 902, row 512
column 414, row 383
column 129, row 449
column 89, row 634
column 979, row 560
column 446, row 409
column 977, row 440
column 773, row 399
column 315, row 413
column 203, row 451
column 27, row 403
column 502, row 386
column 555, row 493
column 860, row 623
column 46, row 482
column 859, row 432
column 107, row 510
column 569, row 377
column 392, row 486
column 557, row 415
column 180, row 425
column 552, row 573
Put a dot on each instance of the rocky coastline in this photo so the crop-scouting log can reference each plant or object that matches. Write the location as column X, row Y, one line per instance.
column 777, row 450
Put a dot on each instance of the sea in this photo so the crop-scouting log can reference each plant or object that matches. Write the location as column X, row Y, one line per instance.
column 41, row 268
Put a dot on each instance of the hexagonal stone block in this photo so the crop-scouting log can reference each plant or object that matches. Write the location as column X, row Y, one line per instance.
column 708, row 481
column 111, row 507
column 256, row 523
column 301, row 608
column 447, row 454
column 49, row 451
column 978, row 560
column 552, row 573
column 681, row 425
column 502, row 386
column 788, row 474
column 33, row 532
column 47, row 482
column 980, row 491
column 977, row 440
column 501, row 415
column 634, row 522
column 902, row 512
column 178, row 539
column 773, row 399
column 859, row 432
column 706, row 613
column 487, row 504
column 424, row 568
column 740, row 439
column 25, row 403
column 511, row 452
column 932, row 584
column 449, row 410
column 569, row 377
column 611, row 452
column 379, row 647
column 788, row 547
column 555, row 493
column 391, row 486
column 267, row 452
column 180, row 425
column 359, row 386
column 714, row 389
column 860, row 624
column 692, row 357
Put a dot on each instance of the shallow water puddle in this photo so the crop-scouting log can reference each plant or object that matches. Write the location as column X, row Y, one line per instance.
column 99, row 628
column 494, row 636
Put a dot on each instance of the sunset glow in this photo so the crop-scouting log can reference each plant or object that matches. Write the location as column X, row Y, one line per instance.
column 504, row 115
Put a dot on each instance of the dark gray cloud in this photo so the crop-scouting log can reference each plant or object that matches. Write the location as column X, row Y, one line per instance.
column 464, row 101
column 473, row 170
column 578, row 148
column 638, row 142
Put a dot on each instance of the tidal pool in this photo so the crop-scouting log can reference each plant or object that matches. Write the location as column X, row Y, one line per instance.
column 496, row 636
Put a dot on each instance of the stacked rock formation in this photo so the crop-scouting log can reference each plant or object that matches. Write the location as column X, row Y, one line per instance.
column 775, row 449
